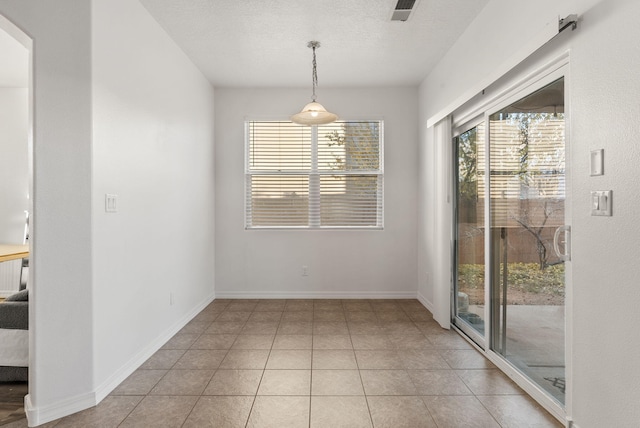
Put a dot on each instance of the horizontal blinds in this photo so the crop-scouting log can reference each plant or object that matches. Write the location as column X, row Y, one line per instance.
column 290, row 185
column 277, row 200
column 278, row 146
column 355, row 200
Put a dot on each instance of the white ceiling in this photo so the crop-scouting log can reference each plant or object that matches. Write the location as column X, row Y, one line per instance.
column 14, row 66
column 262, row 43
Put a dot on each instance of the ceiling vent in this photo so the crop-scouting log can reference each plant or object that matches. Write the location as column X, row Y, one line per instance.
column 403, row 10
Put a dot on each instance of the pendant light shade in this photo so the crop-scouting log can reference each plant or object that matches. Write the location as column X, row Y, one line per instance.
column 314, row 113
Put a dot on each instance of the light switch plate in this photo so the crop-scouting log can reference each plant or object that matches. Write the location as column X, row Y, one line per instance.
column 110, row 203
column 597, row 162
column 601, row 203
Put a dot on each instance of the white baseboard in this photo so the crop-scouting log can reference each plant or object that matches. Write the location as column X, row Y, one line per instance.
column 316, row 295
column 41, row 415
column 425, row 302
column 125, row 371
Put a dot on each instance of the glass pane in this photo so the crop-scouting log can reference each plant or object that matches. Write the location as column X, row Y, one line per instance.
column 349, row 146
column 527, row 182
column 470, row 197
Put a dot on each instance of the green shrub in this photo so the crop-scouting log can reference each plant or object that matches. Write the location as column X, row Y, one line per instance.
column 521, row 276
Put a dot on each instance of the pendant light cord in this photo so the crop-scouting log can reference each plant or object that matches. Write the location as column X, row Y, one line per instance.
column 314, row 76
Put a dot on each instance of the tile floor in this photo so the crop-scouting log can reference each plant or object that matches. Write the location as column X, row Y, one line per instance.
column 314, row 363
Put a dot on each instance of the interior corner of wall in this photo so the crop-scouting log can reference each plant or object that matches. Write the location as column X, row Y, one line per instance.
column 425, row 302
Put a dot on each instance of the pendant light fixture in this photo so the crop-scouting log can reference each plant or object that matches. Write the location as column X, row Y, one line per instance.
column 314, row 113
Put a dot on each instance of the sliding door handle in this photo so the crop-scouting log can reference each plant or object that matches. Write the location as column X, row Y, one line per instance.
column 566, row 254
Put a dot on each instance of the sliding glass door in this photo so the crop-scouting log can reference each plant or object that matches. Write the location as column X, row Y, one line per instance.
column 469, row 278
column 527, row 182
column 511, row 237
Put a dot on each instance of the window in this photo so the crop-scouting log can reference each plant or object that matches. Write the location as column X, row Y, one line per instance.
column 326, row 176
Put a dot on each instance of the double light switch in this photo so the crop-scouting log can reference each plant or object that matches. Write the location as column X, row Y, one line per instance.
column 601, row 202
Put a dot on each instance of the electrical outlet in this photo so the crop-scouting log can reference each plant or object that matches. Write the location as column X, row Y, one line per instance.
column 171, row 298
column 305, row 270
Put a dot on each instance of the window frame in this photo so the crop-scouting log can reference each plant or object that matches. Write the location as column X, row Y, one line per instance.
column 314, row 173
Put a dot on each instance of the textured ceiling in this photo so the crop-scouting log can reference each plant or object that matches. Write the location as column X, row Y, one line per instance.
column 262, row 43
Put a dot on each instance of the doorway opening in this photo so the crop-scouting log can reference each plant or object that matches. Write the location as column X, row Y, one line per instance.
column 16, row 172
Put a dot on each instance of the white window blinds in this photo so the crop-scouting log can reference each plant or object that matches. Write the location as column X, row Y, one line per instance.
column 314, row 177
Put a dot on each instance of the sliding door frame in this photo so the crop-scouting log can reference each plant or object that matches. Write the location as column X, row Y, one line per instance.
column 477, row 111
column 473, row 334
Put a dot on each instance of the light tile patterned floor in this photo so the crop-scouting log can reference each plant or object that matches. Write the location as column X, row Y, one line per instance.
column 314, row 363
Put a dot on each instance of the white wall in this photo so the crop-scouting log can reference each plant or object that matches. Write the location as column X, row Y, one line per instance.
column 602, row 88
column 267, row 263
column 61, row 360
column 153, row 147
column 100, row 293
column 14, row 166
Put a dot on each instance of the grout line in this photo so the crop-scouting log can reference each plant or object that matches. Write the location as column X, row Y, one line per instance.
column 313, row 322
column 364, row 392
column 191, row 411
column 214, row 371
